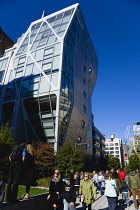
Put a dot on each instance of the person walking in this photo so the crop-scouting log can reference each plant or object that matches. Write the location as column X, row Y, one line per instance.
column 29, row 167
column 17, row 157
column 100, row 182
column 134, row 184
column 121, row 174
column 81, row 175
column 115, row 176
column 94, row 178
column 55, row 190
column 124, row 191
column 76, row 182
column 87, row 191
column 68, row 195
column 110, row 191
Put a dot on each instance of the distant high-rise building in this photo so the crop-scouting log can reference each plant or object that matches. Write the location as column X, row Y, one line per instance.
column 48, row 80
column 113, row 146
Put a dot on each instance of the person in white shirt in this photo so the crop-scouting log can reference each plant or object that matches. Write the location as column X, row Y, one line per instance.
column 94, row 178
column 110, row 191
column 100, row 181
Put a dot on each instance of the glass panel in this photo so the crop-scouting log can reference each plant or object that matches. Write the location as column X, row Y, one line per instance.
column 63, row 27
column 36, row 70
column 44, row 85
column 46, row 66
column 56, row 62
column 57, row 49
column 1, row 75
column 48, row 51
column 66, row 19
column 49, row 132
column 28, row 70
column 33, row 86
column 29, row 61
column 51, row 39
column 11, row 77
column 19, row 74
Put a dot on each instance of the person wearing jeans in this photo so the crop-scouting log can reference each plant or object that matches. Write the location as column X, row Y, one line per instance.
column 110, row 191
column 134, row 184
column 68, row 195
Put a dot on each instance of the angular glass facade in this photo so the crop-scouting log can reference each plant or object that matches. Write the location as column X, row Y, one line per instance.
column 47, row 80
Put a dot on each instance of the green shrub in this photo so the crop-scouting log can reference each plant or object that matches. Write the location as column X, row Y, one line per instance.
column 44, row 181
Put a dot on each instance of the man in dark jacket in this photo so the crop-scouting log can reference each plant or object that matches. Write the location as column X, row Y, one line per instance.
column 17, row 157
column 68, row 195
column 2, row 191
column 134, row 184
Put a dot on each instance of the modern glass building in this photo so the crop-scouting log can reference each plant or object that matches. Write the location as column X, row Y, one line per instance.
column 47, row 79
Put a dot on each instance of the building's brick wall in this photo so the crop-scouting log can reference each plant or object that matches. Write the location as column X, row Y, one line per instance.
column 5, row 41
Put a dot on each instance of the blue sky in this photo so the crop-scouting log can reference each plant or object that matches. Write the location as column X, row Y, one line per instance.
column 114, row 26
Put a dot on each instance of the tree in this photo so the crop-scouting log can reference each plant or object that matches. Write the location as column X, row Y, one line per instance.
column 134, row 161
column 69, row 158
column 6, row 145
column 113, row 162
column 44, row 157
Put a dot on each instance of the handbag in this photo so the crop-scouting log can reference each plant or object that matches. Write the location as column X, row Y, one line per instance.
column 82, row 199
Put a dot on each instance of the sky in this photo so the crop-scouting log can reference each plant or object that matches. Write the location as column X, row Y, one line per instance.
column 114, row 27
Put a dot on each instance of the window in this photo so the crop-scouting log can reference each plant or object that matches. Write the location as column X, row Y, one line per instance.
column 112, row 152
column 84, row 81
column 83, row 124
column 111, row 148
column 116, row 148
column 116, row 144
column 84, row 108
column 116, row 152
column 84, row 69
column 84, row 94
column 33, row 86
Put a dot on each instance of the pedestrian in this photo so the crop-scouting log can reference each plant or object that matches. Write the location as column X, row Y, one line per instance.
column 2, row 191
column 29, row 167
column 100, row 182
column 94, row 178
column 55, row 190
column 72, row 176
column 17, row 157
column 124, row 191
column 121, row 174
column 76, row 182
column 81, row 175
column 110, row 191
column 68, row 195
column 134, row 184
column 115, row 176
column 87, row 191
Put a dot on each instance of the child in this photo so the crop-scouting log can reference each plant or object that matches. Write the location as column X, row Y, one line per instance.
column 68, row 195
column 124, row 191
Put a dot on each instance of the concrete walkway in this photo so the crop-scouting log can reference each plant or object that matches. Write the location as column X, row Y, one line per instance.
column 102, row 204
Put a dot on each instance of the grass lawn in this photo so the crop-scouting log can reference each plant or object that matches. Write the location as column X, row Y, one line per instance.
column 33, row 191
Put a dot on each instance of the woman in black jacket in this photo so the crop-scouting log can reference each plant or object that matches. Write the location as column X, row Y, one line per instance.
column 55, row 190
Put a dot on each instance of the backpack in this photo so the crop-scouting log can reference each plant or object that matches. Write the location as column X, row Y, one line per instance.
column 16, row 154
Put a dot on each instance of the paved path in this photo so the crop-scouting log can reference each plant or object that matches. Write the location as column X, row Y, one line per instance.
column 102, row 204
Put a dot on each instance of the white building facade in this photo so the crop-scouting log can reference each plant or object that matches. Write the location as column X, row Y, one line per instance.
column 47, row 79
column 114, row 147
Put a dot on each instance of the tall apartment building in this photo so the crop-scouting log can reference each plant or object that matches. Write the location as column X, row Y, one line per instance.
column 136, row 130
column 49, row 77
column 113, row 146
